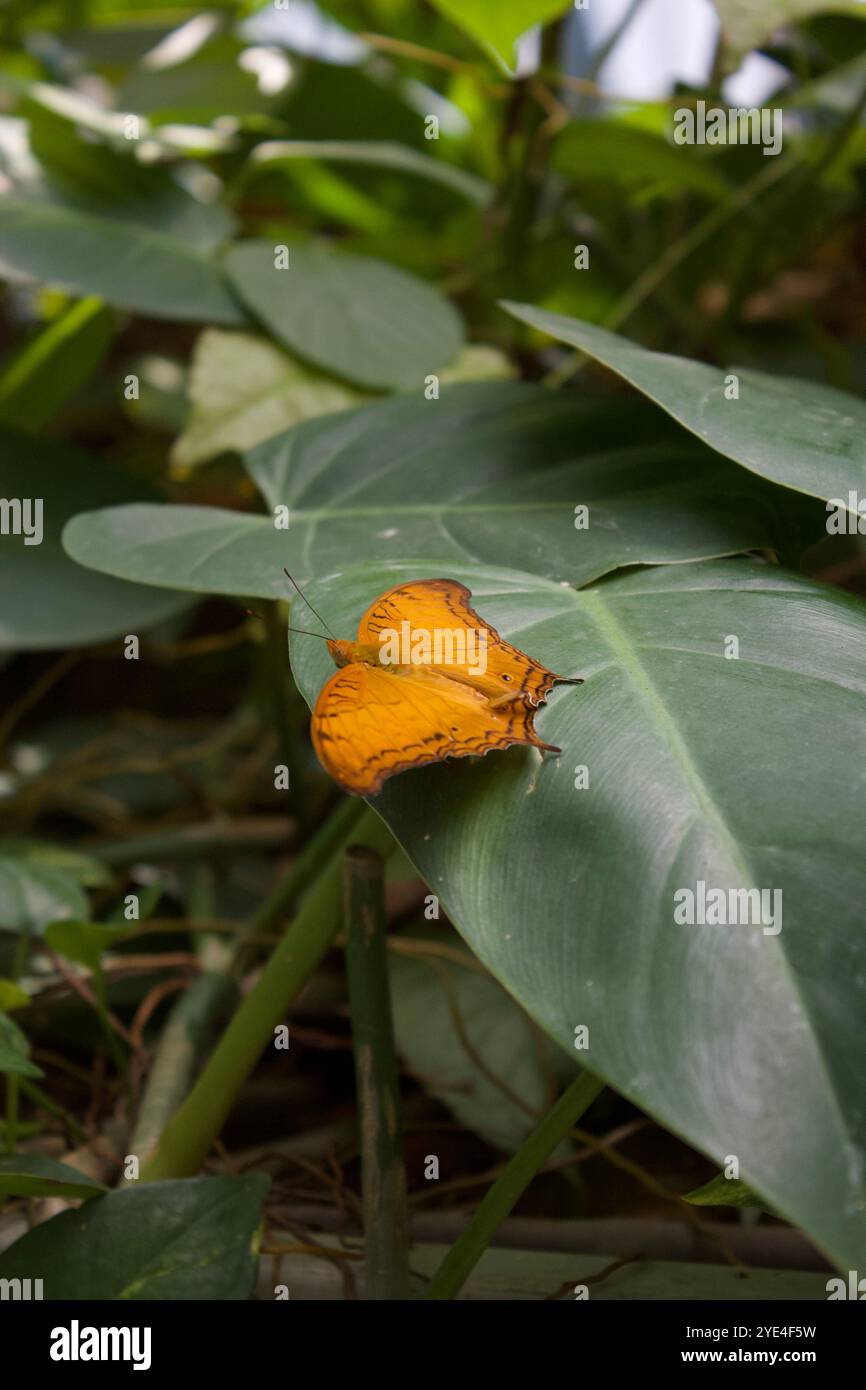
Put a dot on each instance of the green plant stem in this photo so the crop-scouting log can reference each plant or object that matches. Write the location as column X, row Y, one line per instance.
column 11, row 1125
column 509, row 1186
column 100, row 998
column 188, row 1136
column 320, row 849
column 10, row 1135
column 40, row 1097
column 383, row 1175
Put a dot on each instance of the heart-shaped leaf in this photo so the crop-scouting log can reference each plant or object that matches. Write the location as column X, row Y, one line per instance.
column 798, row 433
column 717, row 741
column 361, row 319
column 81, row 215
column 125, row 264
column 192, row 1239
column 490, row 469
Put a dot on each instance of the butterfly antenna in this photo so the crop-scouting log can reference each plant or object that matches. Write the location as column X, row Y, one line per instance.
column 311, row 608
column 304, row 633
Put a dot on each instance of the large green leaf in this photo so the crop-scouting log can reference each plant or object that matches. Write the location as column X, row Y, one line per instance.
column 194, row 1239
column 47, row 601
column 127, row 265
column 740, row 773
column 497, row 24
column 82, row 215
column 801, row 434
column 490, row 468
column 361, row 319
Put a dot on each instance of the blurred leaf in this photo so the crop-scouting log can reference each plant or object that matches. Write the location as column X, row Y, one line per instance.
column 358, row 318
column 209, row 85
column 746, row 22
column 497, row 24
column 48, row 601
column 129, row 266
column 738, row 774
column 32, row 1175
column 490, row 468
column 725, row 1192
column 15, row 1050
column 54, row 365
column 479, row 362
column 83, row 942
column 12, row 997
column 161, row 402
column 382, row 154
column 638, row 160
column 800, row 434
column 82, row 867
column 95, row 221
column 425, row 995
column 243, row 389
column 32, row 893
column 192, row 1239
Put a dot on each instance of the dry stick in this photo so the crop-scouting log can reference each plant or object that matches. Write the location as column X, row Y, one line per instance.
column 383, row 1176
column 196, row 841
column 189, row 1135
column 510, row 1185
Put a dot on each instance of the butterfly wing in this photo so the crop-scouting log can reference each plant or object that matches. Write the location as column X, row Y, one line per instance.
column 369, row 723
column 443, row 605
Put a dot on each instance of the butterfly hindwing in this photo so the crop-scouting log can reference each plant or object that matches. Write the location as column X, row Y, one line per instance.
column 370, row 723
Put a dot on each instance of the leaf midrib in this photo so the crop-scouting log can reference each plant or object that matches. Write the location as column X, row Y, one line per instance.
column 617, row 640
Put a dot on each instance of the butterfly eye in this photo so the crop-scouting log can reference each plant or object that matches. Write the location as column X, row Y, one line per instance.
column 506, row 678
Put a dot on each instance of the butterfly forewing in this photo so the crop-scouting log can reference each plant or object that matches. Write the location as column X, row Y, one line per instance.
column 442, row 606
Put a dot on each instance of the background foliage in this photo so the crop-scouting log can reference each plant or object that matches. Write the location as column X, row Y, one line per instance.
column 432, row 386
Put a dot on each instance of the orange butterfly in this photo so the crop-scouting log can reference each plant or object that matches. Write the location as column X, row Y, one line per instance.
column 427, row 679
